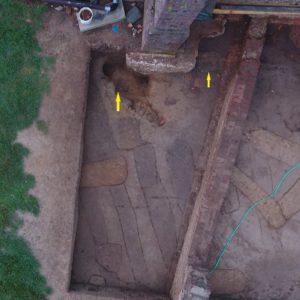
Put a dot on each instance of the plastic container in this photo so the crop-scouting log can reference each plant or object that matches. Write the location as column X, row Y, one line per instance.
column 86, row 15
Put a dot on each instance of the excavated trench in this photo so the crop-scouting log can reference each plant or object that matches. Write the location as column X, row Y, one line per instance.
column 138, row 169
column 139, row 164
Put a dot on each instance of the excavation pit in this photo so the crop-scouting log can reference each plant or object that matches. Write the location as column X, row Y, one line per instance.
column 138, row 168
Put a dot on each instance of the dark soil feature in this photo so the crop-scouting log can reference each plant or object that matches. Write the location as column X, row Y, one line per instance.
column 221, row 44
column 132, row 86
column 125, row 80
column 285, row 44
column 112, row 59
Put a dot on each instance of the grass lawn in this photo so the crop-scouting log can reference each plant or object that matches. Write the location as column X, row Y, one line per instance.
column 22, row 86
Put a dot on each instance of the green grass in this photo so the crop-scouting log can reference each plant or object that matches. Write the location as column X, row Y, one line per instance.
column 22, row 85
column 42, row 126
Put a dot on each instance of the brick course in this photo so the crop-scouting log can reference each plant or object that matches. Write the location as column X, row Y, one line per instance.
column 223, row 142
column 167, row 23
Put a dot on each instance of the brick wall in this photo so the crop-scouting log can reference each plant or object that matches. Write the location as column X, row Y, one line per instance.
column 167, row 23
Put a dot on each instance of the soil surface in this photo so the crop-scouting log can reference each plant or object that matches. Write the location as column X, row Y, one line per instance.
column 262, row 261
column 128, row 233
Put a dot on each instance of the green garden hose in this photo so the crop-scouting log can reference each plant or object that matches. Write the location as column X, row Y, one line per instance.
column 263, row 200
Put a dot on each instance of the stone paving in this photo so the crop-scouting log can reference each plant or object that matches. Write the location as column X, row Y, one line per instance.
column 136, row 181
column 263, row 260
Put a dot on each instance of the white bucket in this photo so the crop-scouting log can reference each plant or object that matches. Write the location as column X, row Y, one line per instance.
column 86, row 22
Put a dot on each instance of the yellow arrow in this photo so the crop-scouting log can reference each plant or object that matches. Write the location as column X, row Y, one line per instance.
column 208, row 78
column 118, row 102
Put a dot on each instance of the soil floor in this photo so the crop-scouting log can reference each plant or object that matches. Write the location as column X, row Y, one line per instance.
column 262, row 261
column 128, row 233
